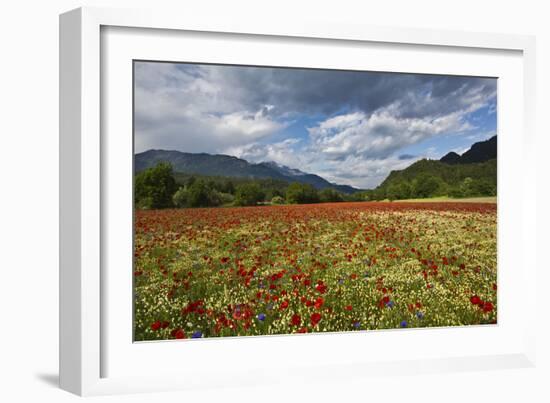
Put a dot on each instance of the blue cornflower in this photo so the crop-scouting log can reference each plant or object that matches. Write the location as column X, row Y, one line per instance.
column 390, row 304
column 403, row 323
column 357, row 324
column 196, row 335
column 261, row 317
column 341, row 281
column 420, row 315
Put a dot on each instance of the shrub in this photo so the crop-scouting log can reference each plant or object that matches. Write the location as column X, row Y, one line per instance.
column 180, row 197
column 330, row 195
column 248, row 194
column 301, row 193
column 155, row 186
column 277, row 200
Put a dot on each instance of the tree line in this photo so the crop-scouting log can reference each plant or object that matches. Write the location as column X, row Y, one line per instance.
column 159, row 187
column 432, row 178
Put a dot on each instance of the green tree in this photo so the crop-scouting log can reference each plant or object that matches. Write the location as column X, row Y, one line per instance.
column 301, row 193
column 329, row 195
column 393, row 192
column 466, row 187
column 155, row 186
column 199, row 194
column 229, row 187
column 426, row 185
column 248, row 194
column 180, row 197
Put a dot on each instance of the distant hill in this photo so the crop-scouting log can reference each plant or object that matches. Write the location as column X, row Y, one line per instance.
column 451, row 158
column 474, row 173
column 229, row 166
column 451, row 174
column 478, row 152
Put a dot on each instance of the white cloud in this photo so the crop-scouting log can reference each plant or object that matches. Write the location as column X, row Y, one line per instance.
column 380, row 134
column 282, row 152
column 240, row 111
column 185, row 109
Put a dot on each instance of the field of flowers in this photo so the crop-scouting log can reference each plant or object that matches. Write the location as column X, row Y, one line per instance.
column 313, row 268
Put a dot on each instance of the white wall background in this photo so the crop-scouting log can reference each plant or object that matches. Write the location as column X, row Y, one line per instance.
column 29, row 201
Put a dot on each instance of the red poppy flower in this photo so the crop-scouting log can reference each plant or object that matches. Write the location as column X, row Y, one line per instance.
column 165, row 324
column 302, row 330
column 296, row 320
column 179, row 334
column 321, row 288
column 348, row 307
column 475, row 300
column 315, row 318
column 487, row 307
column 156, row 325
column 284, row 304
column 224, row 259
column 494, row 286
column 319, row 303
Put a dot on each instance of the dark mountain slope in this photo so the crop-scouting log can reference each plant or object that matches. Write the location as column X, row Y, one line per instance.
column 478, row 152
column 228, row 166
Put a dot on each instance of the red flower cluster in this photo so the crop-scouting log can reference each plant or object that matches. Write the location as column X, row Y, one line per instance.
column 483, row 305
column 178, row 334
column 382, row 303
column 296, row 320
column 315, row 318
column 195, row 306
column 157, row 325
column 319, row 303
column 321, row 287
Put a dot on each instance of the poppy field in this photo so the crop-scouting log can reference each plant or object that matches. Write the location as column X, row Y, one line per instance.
column 331, row 267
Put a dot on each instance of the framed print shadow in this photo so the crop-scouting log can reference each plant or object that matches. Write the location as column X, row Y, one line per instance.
column 316, row 201
column 273, row 200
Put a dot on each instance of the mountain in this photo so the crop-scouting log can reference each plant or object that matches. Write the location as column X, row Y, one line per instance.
column 450, row 174
column 450, row 158
column 229, row 166
column 478, row 152
column 316, row 181
column 474, row 173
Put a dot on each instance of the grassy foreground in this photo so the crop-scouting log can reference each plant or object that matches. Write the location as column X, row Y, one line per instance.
column 487, row 199
column 313, row 268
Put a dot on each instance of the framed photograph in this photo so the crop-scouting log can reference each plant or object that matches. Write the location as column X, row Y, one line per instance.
column 290, row 202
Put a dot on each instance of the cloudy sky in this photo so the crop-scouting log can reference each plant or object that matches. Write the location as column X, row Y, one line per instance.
column 349, row 127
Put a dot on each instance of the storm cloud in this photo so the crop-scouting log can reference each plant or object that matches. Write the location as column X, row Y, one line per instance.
column 348, row 126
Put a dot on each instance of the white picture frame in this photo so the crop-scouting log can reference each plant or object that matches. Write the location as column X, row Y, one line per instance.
column 85, row 344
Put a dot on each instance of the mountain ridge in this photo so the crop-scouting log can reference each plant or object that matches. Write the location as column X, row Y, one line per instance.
column 480, row 151
column 231, row 166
